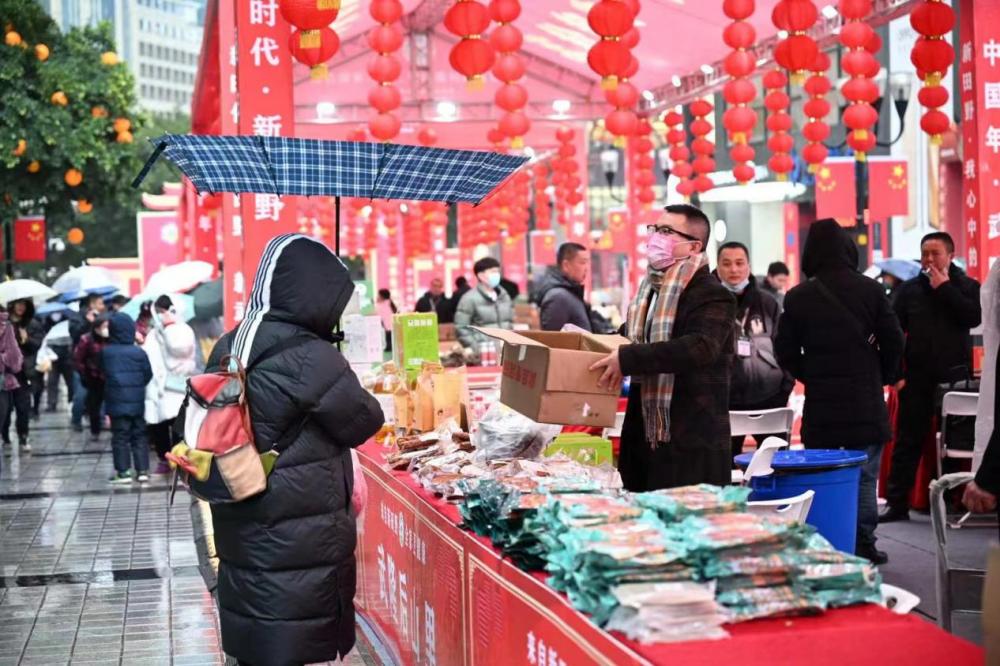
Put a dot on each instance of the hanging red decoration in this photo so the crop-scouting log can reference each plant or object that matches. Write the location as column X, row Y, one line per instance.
column 703, row 163
column 622, row 122
column 384, row 68
column 739, row 92
column 384, row 98
column 384, row 126
column 309, row 16
column 611, row 20
column 322, row 47
column 679, row 152
column 472, row 56
column 427, row 136
column 510, row 97
column 932, row 56
column 861, row 65
column 780, row 142
column 797, row 51
column 622, row 95
column 816, row 131
column 385, row 39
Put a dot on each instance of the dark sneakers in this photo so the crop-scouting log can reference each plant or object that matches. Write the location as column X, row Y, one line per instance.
column 872, row 554
column 894, row 515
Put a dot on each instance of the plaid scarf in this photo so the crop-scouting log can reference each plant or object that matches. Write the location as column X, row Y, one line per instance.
column 657, row 390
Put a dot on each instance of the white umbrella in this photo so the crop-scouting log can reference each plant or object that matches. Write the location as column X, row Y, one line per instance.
column 179, row 278
column 58, row 334
column 83, row 280
column 15, row 290
column 183, row 304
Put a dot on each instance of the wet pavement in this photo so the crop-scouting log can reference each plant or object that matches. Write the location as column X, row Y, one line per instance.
column 92, row 573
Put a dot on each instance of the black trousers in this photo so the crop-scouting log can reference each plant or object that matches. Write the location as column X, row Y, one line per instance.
column 62, row 368
column 162, row 436
column 18, row 410
column 916, row 414
column 95, row 400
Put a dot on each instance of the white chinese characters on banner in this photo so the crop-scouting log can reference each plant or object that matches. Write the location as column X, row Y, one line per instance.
column 394, row 592
column 991, row 52
column 267, row 125
column 265, row 49
column 263, row 12
column 991, row 95
column 267, row 207
column 994, row 222
column 540, row 654
column 970, row 169
column 992, row 140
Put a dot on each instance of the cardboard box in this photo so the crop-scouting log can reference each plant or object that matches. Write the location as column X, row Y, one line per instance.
column 546, row 377
column 415, row 341
column 364, row 339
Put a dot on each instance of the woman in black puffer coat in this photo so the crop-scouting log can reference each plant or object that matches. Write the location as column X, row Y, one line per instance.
column 286, row 557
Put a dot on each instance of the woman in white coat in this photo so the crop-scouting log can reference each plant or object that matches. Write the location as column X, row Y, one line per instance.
column 171, row 347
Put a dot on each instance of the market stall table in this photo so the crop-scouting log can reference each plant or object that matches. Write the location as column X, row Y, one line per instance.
column 434, row 593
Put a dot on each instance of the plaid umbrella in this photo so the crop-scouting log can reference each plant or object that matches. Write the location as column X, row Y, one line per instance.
column 310, row 167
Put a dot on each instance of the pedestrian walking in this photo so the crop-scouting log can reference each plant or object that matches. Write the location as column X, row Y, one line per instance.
column 486, row 305
column 80, row 323
column 386, row 310
column 10, row 366
column 126, row 371
column 839, row 336
column 560, row 291
column 29, row 334
column 435, row 301
column 87, row 362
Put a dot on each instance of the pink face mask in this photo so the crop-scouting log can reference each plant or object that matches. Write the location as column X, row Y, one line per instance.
column 660, row 250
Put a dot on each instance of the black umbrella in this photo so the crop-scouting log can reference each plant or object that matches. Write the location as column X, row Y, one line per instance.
column 208, row 299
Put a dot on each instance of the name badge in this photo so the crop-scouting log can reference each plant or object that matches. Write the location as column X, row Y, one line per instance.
column 743, row 347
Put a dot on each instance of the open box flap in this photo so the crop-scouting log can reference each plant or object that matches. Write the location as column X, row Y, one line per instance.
column 610, row 342
column 507, row 336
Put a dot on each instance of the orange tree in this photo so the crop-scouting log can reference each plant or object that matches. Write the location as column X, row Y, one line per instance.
column 66, row 132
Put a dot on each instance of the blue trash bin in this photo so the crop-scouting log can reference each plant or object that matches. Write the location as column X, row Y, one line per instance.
column 833, row 474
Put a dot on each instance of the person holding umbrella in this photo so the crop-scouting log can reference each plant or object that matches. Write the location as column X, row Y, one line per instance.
column 10, row 364
column 28, row 333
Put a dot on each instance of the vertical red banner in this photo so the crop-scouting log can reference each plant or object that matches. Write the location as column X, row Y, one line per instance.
column 514, row 260
column 205, row 236
column 979, row 90
column 543, row 248
column 231, row 223
column 266, row 108
column 790, row 215
column 159, row 241
column 29, row 239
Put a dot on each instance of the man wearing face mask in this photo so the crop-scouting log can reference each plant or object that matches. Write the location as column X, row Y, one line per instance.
column 680, row 323
column 758, row 382
column 486, row 305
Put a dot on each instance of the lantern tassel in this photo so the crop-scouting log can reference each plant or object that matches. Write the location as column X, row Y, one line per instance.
column 517, row 142
column 318, row 72
column 475, row 83
column 609, row 83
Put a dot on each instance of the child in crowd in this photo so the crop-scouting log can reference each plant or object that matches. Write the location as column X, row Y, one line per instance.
column 87, row 358
column 126, row 371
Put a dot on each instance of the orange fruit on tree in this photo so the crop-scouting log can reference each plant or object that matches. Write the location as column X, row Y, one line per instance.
column 99, row 112
column 12, row 39
column 73, row 177
column 124, row 137
column 122, row 125
column 109, row 58
column 41, row 52
column 74, row 236
column 84, row 206
column 22, row 145
column 59, row 97
column 34, row 166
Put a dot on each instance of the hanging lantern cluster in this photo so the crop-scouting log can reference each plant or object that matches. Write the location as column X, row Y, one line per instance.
column 641, row 164
column 543, row 211
column 610, row 58
column 680, row 154
column 352, row 228
column 420, row 217
column 702, row 148
column 796, row 53
column 473, row 56
column 622, row 120
column 511, row 97
column 932, row 56
column 519, row 204
column 314, row 42
column 858, row 39
column 566, row 178
column 740, row 92
column 779, row 142
column 476, row 225
column 816, row 109
column 385, row 39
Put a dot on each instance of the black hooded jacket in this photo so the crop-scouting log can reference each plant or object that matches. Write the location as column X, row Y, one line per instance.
column 824, row 344
column 287, row 568
column 561, row 302
column 34, row 333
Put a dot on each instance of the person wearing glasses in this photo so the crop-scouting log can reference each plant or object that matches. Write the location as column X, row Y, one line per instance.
column 680, row 324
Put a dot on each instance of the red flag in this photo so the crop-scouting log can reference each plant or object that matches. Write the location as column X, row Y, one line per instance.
column 888, row 189
column 618, row 236
column 29, row 239
column 514, row 259
column 543, row 248
column 835, row 193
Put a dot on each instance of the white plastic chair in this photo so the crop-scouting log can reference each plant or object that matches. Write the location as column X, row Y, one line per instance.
column 762, row 422
column 959, row 589
column 898, row 600
column 796, row 507
column 955, row 403
column 760, row 463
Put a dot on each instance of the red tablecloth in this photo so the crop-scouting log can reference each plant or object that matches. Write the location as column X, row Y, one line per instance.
column 437, row 594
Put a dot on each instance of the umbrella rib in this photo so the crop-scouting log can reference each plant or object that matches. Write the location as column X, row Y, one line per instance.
column 270, row 165
column 160, row 147
column 382, row 160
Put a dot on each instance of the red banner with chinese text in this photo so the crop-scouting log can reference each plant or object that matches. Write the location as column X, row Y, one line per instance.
column 158, row 241
column 29, row 239
column 266, row 108
column 979, row 90
column 231, row 232
column 836, row 194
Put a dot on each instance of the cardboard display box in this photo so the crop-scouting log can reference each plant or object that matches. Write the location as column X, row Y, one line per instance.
column 414, row 341
column 546, row 376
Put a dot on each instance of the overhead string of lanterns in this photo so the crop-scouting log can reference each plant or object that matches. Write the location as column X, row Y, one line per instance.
column 739, row 92
column 680, row 154
column 703, row 149
column 511, row 96
column 932, row 56
column 313, row 42
column 860, row 43
column 611, row 58
column 796, row 53
column 472, row 56
column 816, row 109
column 641, row 164
column 779, row 124
column 385, row 39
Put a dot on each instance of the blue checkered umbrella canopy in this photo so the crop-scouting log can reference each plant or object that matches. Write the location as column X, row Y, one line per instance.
column 309, row 167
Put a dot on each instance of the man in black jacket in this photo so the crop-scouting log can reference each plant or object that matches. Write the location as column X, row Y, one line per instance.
column 758, row 382
column 434, row 300
column 776, row 281
column 936, row 309
column 560, row 291
column 839, row 336
column 676, row 430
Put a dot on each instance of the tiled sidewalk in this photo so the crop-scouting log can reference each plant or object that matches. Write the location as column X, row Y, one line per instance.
column 96, row 574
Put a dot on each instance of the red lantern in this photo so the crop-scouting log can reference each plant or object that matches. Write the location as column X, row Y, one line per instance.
column 703, row 164
column 680, row 153
column 816, row 131
column 933, row 96
column 742, row 152
column 739, row 64
column 814, row 153
column 385, row 38
column 622, row 122
column 935, row 123
column 933, row 56
column 472, row 58
column 515, row 124
column 427, row 136
column 862, row 66
column 744, row 173
column 323, row 46
column 467, row 18
column 739, row 91
column 384, row 126
column 623, row 95
column 384, row 98
column 686, row 188
column 860, row 89
column 856, row 35
column 384, row 68
column 505, row 11
column 797, row 53
column 511, row 97
column 565, row 134
column 610, row 18
column 781, row 164
column 631, row 38
column 933, row 19
column 738, row 10
column 780, row 142
column 776, row 101
column 854, row 10
column 506, row 38
column 816, row 108
column 739, row 35
column 495, row 136
column 566, row 151
column 610, row 59
column 309, row 15
column 508, row 67
column 739, row 118
column 739, row 121
column 385, row 11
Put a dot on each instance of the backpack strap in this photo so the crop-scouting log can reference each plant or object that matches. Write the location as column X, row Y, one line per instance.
column 293, row 432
